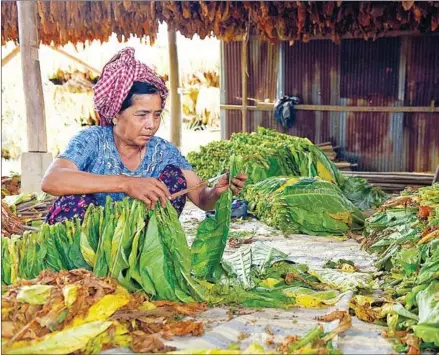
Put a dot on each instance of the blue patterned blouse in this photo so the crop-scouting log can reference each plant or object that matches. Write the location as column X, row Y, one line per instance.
column 93, row 150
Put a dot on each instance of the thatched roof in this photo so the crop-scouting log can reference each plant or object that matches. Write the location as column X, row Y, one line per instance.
column 78, row 21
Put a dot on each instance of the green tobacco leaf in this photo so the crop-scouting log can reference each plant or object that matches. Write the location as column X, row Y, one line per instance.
column 428, row 304
column 264, row 256
column 310, row 205
column 75, row 254
column 101, row 267
column 239, row 264
column 362, row 194
column 6, row 262
column 428, row 333
column 210, row 242
column 154, row 268
column 176, row 249
column 343, row 281
column 53, row 257
column 121, row 237
column 87, row 230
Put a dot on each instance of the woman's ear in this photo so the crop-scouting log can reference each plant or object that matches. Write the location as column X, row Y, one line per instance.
column 116, row 120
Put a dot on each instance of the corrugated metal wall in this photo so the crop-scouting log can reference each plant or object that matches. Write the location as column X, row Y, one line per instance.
column 387, row 72
column 262, row 59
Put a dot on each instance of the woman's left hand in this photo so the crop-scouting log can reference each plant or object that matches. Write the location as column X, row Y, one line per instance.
column 236, row 186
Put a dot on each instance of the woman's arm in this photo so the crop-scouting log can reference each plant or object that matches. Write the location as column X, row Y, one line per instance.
column 206, row 197
column 64, row 178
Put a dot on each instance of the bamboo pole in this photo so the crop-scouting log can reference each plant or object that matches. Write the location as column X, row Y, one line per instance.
column 32, row 83
column 77, row 60
column 263, row 106
column 173, row 86
column 10, row 56
column 244, row 84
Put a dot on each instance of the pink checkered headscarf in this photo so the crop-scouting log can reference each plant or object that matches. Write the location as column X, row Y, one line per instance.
column 116, row 80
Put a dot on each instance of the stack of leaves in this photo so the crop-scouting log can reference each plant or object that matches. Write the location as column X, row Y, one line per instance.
column 291, row 21
column 271, row 154
column 11, row 185
column 11, row 224
column 362, row 194
column 267, row 153
column 144, row 250
column 114, row 240
column 405, row 235
column 31, row 209
column 75, row 311
column 309, row 205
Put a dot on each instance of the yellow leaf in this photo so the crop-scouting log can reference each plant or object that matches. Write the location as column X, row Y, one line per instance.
column 290, row 182
column 347, row 268
column 147, row 306
column 255, row 349
column 35, row 294
column 104, row 308
column 323, row 172
column 64, row 342
column 309, row 298
column 345, row 217
column 362, row 300
column 308, row 301
column 70, row 293
column 269, row 283
column 206, row 284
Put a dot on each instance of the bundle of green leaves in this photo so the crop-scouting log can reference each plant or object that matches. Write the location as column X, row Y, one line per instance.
column 309, row 205
column 268, row 154
column 405, row 235
column 149, row 254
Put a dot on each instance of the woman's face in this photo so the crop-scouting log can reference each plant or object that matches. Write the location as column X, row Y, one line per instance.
column 138, row 123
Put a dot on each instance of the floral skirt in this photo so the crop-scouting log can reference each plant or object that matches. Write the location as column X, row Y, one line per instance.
column 74, row 206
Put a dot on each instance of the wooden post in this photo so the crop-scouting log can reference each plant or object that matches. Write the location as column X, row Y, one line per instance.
column 244, row 84
column 32, row 85
column 436, row 176
column 174, row 85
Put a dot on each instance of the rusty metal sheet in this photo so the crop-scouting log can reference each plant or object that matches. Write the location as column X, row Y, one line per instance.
column 375, row 141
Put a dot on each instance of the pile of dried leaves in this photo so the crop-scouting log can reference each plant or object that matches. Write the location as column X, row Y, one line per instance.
column 11, row 185
column 11, row 224
column 78, row 21
column 92, row 313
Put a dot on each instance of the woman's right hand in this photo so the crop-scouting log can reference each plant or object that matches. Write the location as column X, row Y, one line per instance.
column 148, row 190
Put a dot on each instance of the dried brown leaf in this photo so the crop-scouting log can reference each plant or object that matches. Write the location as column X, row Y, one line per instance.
column 148, row 343
column 185, row 328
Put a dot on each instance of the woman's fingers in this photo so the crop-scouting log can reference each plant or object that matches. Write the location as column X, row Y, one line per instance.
column 147, row 202
column 235, row 190
column 161, row 185
column 238, row 183
column 160, row 195
column 154, row 198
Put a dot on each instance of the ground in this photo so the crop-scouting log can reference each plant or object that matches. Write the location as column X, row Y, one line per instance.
column 231, row 325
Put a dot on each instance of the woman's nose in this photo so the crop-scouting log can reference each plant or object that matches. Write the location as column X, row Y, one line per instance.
column 149, row 123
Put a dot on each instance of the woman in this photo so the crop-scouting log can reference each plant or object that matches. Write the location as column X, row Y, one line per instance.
column 124, row 157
